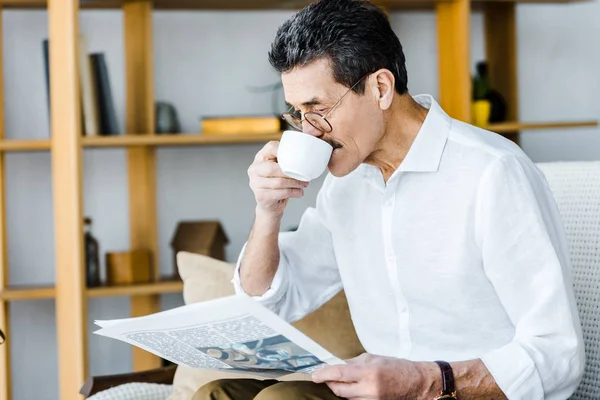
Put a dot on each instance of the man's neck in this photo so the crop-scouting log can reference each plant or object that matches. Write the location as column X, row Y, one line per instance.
column 403, row 122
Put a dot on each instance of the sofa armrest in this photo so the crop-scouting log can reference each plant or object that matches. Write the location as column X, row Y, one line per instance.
column 95, row 384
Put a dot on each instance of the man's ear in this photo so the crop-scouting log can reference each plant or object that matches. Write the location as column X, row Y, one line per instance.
column 384, row 87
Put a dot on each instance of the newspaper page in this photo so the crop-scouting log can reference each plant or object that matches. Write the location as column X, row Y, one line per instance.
column 230, row 333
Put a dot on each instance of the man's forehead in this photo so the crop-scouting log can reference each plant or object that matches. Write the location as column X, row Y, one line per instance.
column 308, row 85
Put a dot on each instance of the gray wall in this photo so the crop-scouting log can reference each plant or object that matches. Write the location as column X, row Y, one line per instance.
column 205, row 63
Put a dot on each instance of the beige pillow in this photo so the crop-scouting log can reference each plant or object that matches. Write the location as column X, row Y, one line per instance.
column 205, row 278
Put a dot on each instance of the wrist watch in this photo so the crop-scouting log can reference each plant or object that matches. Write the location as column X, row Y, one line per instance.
column 448, row 391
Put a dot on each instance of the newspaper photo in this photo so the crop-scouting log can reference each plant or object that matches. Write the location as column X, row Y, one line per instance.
column 232, row 333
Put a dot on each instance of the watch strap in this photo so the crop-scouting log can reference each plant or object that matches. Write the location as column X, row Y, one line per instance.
column 448, row 390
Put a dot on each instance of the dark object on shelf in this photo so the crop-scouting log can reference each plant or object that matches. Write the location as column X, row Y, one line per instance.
column 128, row 267
column 483, row 91
column 106, row 107
column 46, row 54
column 498, row 109
column 166, row 118
column 201, row 237
column 2, row 337
column 92, row 256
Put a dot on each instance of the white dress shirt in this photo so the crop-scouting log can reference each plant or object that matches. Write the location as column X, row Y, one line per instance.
column 460, row 255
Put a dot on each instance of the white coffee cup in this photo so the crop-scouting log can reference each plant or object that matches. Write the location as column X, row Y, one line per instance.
column 302, row 156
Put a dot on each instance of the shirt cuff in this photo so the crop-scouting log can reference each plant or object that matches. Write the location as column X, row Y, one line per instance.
column 278, row 286
column 515, row 372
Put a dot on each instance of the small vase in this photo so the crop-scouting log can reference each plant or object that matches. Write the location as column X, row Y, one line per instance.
column 480, row 112
column 166, row 118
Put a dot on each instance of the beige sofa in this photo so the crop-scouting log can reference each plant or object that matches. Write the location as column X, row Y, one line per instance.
column 576, row 188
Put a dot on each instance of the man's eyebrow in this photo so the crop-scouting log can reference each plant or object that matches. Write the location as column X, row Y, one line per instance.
column 312, row 102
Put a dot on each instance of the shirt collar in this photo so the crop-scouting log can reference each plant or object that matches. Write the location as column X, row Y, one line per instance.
column 426, row 151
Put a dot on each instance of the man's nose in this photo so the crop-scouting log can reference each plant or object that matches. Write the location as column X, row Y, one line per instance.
column 311, row 130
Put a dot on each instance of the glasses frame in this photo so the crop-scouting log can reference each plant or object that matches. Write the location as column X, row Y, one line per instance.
column 296, row 123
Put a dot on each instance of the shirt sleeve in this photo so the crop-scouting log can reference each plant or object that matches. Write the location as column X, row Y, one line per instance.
column 307, row 275
column 525, row 256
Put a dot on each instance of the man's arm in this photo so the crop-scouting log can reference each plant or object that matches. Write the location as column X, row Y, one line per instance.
column 261, row 256
column 471, row 379
column 376, row 377
column 272, row 190
column 291, row 273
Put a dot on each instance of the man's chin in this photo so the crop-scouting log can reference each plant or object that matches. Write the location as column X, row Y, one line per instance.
column 338, row 170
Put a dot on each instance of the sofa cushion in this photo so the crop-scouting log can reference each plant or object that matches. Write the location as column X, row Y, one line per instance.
column 205, row 278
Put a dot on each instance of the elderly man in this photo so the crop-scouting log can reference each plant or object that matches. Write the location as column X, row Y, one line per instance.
column 445, row 237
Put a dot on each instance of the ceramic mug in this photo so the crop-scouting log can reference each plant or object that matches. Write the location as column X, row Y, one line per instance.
column 302, row 156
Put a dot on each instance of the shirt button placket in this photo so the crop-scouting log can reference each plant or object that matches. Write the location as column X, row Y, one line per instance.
column 387, row 215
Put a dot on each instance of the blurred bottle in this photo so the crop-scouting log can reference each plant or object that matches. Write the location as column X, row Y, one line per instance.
column 488, row 104
column 92, row 256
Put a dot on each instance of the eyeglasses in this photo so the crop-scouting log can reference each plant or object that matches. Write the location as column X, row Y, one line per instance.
column 315, row 119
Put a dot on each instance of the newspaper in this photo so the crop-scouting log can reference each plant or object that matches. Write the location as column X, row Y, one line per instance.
column 232, row 333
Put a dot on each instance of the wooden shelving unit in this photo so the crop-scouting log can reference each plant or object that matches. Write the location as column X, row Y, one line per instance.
column 49, row 292
column 27, row 293
column 66, row 146
column 511, row 127
column 153, row 140
column 248, row 5
column 176, row 140
column 160, row 287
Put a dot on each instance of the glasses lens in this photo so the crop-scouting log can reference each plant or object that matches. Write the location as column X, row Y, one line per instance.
column 293, row 121
column 318, row 122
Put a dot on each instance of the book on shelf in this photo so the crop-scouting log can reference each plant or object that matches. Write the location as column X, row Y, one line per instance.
column 98, row 116
column 106, row 107
column 87, row 87
column 251, row 125
column 46, row 54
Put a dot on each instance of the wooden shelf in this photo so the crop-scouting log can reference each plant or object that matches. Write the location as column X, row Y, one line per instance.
column 249, row 4
column 174, row 286
column 212, row 140
column 25, row 145
column 27, row 293
column 49, row 292
column 142, row 140
column 511, row 127
column 176, row 140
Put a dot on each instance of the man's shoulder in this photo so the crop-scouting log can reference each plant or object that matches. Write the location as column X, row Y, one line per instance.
column 471, row 143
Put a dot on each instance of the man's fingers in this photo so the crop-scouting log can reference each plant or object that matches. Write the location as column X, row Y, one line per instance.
column 337, row 373
column 268, row 169
column 274, row 195
column 277, row 183
column 268, row 152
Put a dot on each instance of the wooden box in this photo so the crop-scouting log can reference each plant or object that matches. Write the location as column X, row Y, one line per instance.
column 201, row 237
column 129, row 267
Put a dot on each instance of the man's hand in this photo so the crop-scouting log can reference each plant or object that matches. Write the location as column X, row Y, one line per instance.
column 271, row 187
column 375, row 377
